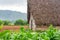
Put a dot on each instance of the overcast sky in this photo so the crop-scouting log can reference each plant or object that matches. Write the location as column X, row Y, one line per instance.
column 14, row 5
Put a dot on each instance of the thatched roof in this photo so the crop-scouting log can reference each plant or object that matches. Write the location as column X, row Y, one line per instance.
column 45, row 12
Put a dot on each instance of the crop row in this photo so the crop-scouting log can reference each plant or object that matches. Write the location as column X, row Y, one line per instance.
column 27, row 34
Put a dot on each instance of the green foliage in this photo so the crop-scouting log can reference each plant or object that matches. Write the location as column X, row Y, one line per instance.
column 1, row 26
column 6, row 22
column 1, row 22
column 17, row 22
column 27, row 34
column 20, row 22
column 25, row 23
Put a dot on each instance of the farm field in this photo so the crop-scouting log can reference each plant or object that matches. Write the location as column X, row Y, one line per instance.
column 26, row 34
column 12, row 28
column 26, row 27
column 46, row 27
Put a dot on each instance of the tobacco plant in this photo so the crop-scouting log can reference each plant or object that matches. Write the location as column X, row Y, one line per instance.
column 27, row 34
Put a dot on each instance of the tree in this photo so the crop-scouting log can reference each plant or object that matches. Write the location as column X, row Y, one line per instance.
column 25, row 22
column 20, row 22
column 6, row 22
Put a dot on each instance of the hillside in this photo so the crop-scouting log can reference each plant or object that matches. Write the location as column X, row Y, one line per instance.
column 12, row 15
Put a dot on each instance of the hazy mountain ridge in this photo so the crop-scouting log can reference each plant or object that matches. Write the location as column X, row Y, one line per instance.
column 12, row 15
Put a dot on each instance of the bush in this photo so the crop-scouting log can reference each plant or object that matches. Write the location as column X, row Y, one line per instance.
column 1, row 22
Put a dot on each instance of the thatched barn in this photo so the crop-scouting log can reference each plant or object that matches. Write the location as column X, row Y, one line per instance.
column 43, row 13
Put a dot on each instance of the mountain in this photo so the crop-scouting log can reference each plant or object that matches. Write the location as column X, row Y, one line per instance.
column 12, row 15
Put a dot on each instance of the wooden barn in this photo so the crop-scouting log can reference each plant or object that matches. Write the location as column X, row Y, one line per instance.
column 43, row 13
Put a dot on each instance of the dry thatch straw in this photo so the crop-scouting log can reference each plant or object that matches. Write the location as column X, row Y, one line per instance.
column 44, row 12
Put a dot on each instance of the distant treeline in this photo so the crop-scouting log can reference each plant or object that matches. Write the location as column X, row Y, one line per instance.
column 17, row 22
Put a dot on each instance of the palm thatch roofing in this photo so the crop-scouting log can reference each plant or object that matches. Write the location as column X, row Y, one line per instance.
column 45, row 12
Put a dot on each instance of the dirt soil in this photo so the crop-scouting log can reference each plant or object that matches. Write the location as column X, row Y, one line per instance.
column 12, row 28
column 18, row 27
column 45, row 28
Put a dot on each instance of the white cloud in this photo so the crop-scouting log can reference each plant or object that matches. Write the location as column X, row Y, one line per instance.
column 14, row 5
column 5, row 2
column 14, row 8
